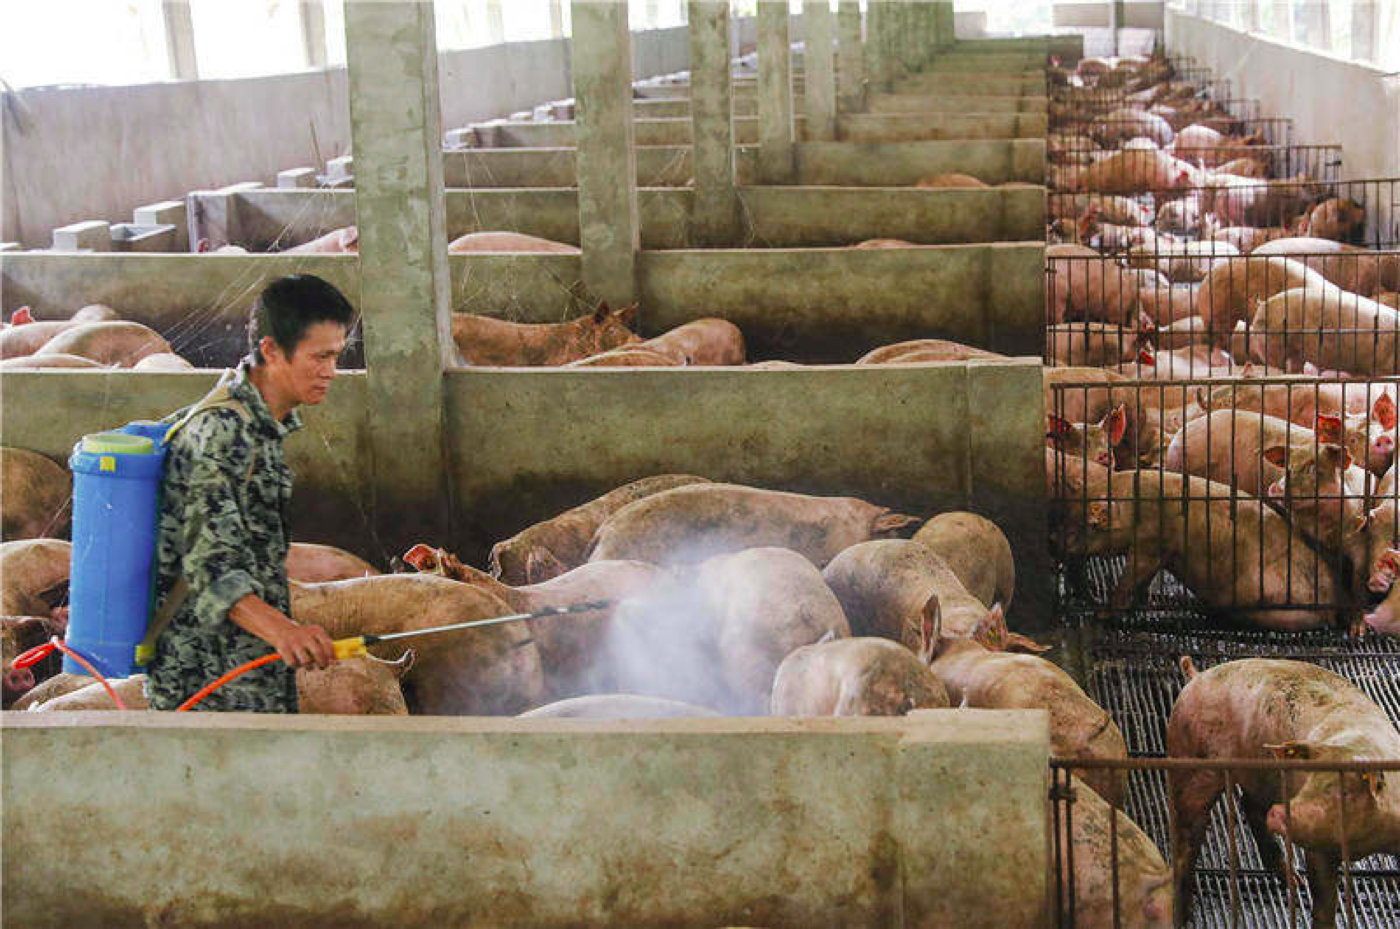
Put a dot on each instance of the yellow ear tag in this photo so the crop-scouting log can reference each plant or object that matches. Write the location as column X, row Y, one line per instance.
column 107, row 463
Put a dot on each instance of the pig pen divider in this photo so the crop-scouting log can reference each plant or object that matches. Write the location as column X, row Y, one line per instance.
column 1232, row 885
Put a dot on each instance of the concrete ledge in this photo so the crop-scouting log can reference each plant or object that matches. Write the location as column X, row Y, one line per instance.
column 336, row 822
column 821, row 304
column 776, row 217
column 940, row 103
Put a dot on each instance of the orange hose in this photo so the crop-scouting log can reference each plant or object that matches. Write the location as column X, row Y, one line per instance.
column 224, row 678
column 37, row 653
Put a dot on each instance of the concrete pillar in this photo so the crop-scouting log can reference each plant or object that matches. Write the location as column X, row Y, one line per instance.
column 1283, row 19
column 948, row 30
column 819, row 69
column 850, row 57
column 714, row 208
column 313, row 33
column 878, row 62
column 495, row 22
column 1365, row 28
column 179, row 40
column 775, row 140
column 607, row 161
column 556, row 19
column 294, row 178
column 906, row 38
column 401, row 207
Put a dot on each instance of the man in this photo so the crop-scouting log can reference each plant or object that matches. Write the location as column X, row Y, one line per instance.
column 223, row 536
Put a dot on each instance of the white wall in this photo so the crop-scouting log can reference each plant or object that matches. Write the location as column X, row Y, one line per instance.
column 75, row 153
column 1330, row 100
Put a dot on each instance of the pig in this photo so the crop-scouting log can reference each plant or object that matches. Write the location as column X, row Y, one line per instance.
column 337, row 241
column 507, row 242
column 1330, row 328
column 493, row 670
column 1336, row 218
column 1082, row 284
column 555, row 546
column 1137, row 171
column 1123, row 211
column 1183, row 262
column 313, row 564
column 27, row 338
column 1237, row 555
column 36, row 493
column 924, row 350
column 976, row 550
column 1350, row 267
column 1270, row 708
column 1228, row 293
column 1369, row 435
column 1248, row 201
column 1094, row 441
column 1129, row 123
column 854, row 677
column 24, row 362
column 1093, row 343
column 764, row 603
column 1182, row 216
column 96, row 313
column 33, row 575
column 162, row 361
column 707, row 341
column 687, row 525
column 93, row 696
column 978, row 672
column 938, row 181
column 363, row 686
column 884, row 585
column 1185, row 332
column 1228, row 446
column 617, row 706
column 628, row 356
column 569, row 645
column 1247, row 238
column 482, row 340
column 1246, row 166
column 109, row 343
column 1144, row 880
column 884, row 243
column 18, row 634
column 51, row 688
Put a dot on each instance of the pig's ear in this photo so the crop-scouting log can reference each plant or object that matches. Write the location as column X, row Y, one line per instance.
column 1383, row 411
column 1202, row 398
column 21, row 316
column 930, row 628
column 602, row 311
column 421, row 557
column 1310, row 369
column 890, row 523
column 990, row 631
column 1059, row 428
column 1116, row 423
column 349, row 236
column 1329, row 429
column 627, row 315
column 1024, row 644
column 1146, row 356
column 1293, row 751
column 1276, row 455
column 1096, row 515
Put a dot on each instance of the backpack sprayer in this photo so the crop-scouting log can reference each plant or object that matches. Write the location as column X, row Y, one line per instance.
column 116, row 505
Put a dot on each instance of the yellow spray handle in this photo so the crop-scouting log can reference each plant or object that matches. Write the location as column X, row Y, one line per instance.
column 350, row 648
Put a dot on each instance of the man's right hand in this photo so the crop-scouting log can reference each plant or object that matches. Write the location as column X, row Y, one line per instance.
column 305, row 646
column 300, row 646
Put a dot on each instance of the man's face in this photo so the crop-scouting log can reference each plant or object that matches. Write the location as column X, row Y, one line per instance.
column 306, row 374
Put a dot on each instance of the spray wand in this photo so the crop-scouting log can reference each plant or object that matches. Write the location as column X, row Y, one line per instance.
column 352, row 647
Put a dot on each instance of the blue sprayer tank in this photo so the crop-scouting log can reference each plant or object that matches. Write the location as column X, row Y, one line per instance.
column 116, row 489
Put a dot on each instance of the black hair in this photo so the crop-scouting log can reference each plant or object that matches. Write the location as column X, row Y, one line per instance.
column 289, row 306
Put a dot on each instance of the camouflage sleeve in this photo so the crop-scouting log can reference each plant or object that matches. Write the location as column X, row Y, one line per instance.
column 218, row 563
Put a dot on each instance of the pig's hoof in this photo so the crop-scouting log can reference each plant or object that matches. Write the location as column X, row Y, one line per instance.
column 1357, row 628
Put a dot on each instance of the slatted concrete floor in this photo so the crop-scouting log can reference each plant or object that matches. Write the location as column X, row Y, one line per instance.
column 1135, row 677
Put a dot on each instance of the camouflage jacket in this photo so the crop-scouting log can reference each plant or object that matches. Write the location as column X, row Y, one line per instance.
column 223, row 526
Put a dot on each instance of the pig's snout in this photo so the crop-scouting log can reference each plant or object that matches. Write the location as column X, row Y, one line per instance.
column 1278, row 820
column 18, row 681
column 1382, row 451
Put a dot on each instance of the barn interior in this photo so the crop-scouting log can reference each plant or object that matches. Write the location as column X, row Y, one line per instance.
column 999, row 192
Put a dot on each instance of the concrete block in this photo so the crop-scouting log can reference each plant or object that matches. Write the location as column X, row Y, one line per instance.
column 167, row 212
column 92, row 235
column 344, row 166
column 915, row 821
column 130, row 237
column 296, row 178
column 212, row 215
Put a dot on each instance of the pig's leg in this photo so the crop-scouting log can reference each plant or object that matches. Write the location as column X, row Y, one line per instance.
column 1193, row 793
column 1322, row 879
column 1140, row 570
column 1256, row 814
